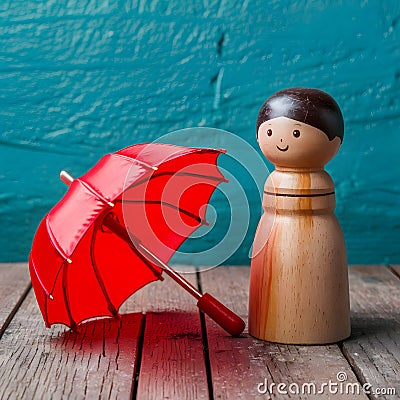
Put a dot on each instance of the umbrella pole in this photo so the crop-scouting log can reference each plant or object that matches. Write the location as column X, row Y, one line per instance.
column 170, row 272
column 222, row 315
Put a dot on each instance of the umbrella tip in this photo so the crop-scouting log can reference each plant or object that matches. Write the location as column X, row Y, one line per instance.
column 110, row 204
column 155, row 168
column 51, row 297
column 69, row 261
column 66, row 177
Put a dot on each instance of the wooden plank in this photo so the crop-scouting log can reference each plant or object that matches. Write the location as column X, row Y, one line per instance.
column 374, row 347
column 239, row 365
column 97, row 362
column 14, row 285
column 172, row 364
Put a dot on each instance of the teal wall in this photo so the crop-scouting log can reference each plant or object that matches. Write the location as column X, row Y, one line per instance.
column 80, row 78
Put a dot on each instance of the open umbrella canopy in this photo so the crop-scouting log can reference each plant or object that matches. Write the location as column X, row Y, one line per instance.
column 155, row 193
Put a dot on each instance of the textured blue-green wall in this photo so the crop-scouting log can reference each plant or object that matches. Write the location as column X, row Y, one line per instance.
column 80, row 78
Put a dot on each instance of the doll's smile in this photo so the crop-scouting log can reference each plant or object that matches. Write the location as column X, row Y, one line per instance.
column 284, row 149
column 290, row 143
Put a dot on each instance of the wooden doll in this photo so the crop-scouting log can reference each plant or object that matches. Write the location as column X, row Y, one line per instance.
column 299, row 279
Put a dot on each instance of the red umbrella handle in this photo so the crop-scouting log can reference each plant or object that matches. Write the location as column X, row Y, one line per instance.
column 221, row 314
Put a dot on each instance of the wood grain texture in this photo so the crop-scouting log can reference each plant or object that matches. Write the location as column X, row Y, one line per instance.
column 96, row 362
column 239, row 365
column 374, row 346
column 172, row 364
column 14, row 285
column 299, row 291
column 85, row 77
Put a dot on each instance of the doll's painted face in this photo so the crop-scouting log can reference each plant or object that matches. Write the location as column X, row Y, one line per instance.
column 293, row 144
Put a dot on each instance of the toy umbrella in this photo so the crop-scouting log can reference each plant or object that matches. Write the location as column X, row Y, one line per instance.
column 116, row 228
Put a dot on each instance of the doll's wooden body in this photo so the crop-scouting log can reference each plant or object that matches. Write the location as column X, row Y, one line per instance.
column 299, row 280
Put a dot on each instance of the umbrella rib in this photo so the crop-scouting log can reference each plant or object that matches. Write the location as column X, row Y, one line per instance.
column 55, row 281
column 171, row 173
column 38, row 277
column 46, row 292
column 111, row 306
column 55, row 242
column 135, row 160
column 65, row 294
column 46, row 317
column 164, row 203
column 94, row 192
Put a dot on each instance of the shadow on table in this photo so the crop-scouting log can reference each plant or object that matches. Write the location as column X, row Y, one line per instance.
column 99, row 335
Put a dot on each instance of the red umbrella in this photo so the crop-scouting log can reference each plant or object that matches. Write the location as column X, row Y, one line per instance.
column 116, row 228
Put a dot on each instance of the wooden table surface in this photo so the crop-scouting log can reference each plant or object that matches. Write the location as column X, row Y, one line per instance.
column 163, row 348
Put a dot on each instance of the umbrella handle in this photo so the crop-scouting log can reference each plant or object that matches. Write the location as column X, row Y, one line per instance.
column 221, row 314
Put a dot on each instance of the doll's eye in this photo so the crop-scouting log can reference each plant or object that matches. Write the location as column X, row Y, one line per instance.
column 296, row 133
column 269, row 132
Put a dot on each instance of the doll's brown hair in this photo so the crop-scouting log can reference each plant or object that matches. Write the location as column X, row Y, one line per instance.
column 310, row 106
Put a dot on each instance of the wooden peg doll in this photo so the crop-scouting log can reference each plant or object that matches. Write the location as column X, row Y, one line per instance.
column 299, row 279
